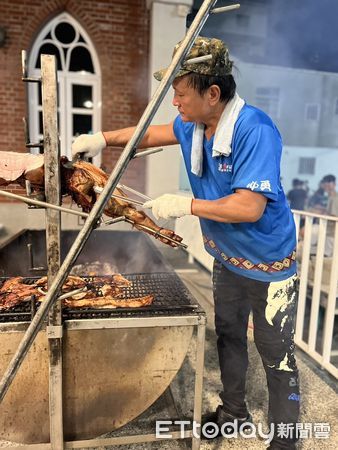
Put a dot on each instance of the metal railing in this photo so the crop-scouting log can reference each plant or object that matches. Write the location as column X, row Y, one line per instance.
column 317, row 255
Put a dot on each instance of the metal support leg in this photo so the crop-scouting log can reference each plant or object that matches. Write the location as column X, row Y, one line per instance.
column 199, row 369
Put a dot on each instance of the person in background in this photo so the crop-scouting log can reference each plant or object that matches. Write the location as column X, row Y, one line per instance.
column 328, row 186
column 318, row 201
column 232, row 154
column 329, row 182
column 332, row 206
column 297, row 196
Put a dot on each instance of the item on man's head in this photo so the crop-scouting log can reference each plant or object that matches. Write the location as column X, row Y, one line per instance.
column 219, row 65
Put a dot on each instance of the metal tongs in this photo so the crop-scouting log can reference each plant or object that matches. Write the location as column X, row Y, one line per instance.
column 76, row 158
column 156, row 234
column 98, row 190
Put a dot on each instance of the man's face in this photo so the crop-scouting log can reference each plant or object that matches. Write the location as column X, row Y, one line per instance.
column 330, row 187
column 190, row 104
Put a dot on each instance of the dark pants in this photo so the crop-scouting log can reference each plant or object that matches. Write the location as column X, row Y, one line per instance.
column 273, row 307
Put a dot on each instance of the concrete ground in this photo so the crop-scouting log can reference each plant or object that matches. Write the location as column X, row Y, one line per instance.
column 319, row 399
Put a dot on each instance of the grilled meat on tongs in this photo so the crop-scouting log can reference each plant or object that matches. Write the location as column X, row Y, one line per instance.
column 80, row 182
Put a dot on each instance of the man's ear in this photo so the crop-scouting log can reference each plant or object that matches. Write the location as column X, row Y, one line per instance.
column 214, row 94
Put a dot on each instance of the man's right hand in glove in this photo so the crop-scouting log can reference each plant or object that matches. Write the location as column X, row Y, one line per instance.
column 89, row 144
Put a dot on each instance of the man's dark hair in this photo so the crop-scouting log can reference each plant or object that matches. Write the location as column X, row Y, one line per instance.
column 201, row 84
column 296, row 182
column 329, row 179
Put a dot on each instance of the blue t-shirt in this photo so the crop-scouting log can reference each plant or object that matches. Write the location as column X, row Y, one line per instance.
column 263, row 250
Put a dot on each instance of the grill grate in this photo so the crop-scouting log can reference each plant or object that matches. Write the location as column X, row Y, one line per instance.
column 170, row 297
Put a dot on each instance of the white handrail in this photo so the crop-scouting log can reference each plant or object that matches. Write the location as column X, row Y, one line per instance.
column 317, row 288
column 317, row 285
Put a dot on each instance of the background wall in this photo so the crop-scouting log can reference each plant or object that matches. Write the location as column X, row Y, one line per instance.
column 325, row 163
column 119, row 31
column 167, row 27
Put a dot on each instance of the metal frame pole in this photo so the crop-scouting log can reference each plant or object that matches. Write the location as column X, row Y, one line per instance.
column 53, row 238
column 121, row 165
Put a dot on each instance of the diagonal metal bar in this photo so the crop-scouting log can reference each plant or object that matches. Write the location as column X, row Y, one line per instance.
column 116, row 174
column 147, row 152
column 31, row 201
column 225, row 9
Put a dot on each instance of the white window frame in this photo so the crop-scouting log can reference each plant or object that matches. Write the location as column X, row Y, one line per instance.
column 66, row 79
column 78, row 80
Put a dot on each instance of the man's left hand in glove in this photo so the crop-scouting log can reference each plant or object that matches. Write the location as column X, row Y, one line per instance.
column 169, row 205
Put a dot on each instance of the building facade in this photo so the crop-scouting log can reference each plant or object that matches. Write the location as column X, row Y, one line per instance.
column 102, row 54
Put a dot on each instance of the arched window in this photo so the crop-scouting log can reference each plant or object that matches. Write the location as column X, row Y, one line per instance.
column 79, row 81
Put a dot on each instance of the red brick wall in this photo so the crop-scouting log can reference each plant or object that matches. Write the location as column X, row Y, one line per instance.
column 119, row 31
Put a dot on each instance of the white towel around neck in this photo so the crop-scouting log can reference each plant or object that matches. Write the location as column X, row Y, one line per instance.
column 223, row 135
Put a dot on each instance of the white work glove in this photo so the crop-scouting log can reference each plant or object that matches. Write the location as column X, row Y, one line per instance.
column 89, row 144
column 169, row 205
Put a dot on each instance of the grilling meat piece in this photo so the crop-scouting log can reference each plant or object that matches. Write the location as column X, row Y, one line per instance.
column 18, row 167
column 78, row 182
column 109, row 302
column 111, row 286
column 71, row 283
column 14, row 291
column 101, row 292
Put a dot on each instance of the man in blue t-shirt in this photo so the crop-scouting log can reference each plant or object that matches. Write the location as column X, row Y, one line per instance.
column 232, row 153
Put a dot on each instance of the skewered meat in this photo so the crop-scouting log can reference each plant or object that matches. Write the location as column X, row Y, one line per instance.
column 78, row 182
column 101, row 292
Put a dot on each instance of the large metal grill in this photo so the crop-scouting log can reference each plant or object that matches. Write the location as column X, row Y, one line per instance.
column 170, row 297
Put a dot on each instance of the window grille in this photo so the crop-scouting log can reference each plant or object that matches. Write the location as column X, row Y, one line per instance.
column 336, row 107
column 307, row 166
column 312, row 111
